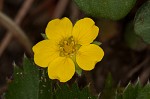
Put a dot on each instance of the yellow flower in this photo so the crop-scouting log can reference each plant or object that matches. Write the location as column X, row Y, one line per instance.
column 67, row 45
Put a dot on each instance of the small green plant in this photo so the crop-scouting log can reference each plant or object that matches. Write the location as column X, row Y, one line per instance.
column 68, row 50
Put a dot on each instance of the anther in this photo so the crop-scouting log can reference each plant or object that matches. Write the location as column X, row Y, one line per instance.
column 65, row 42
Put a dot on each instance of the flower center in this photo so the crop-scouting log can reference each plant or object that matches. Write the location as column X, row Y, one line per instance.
column 68, row 47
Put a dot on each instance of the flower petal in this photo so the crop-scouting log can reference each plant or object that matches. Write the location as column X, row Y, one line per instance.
column 58, row 29
column 62, row 69
column 85, row 31
column 44, row 52
column 88, row 56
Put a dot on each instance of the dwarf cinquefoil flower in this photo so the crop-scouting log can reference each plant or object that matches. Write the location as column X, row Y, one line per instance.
column 66, row 46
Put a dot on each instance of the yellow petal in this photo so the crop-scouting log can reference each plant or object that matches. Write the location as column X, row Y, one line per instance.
column 62, row 69
column 85, row 31
column 88, row 56
column 58, row 29
column 44, row 52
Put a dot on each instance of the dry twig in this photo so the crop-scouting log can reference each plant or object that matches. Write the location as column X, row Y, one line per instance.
column 74, row 13
column 6, row 40
column 137, row 68
column 42, row 7
column 145, row 61
column 19, row 17
column 60, row 8
column 15, row 31
column 1, row 4
column 145, row 75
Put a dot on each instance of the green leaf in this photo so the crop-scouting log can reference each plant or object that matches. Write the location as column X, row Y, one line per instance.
column 137, row 91
column 142, row 22
column 78, row 69
column 72, row 92
column 132, row 91
column 44, row 35
column 26, row 82
column 132, row 39
column 45, row 85
column 96, row 43
column 111, row 9
column 109, row 89
column 119, row 92
column 145, row 92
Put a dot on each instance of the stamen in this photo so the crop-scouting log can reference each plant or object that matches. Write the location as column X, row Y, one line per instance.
column 68, row 47
column 65, row 42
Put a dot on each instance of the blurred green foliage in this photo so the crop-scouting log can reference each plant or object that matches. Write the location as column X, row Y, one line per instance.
column 111, row 9
column 133, row 40
column 142, row 22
